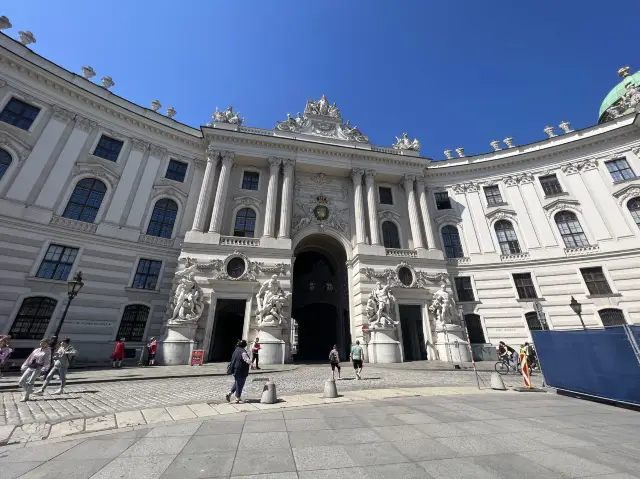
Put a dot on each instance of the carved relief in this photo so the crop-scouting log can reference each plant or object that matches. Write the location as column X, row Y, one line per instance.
column 515, row 180
column 247, row 200
column 390, row 276
column 61, row 114
column 85, row 124
column 321, row 201
column 250, row 272
column 73, row 224
column 579, row 166
column 157, row 151
column 98, row 171
column 625, row 194
column 155, row 240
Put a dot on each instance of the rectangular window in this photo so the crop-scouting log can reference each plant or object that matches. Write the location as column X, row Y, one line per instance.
column 595, row 280
column 176, row 171
column 386, row 198
column 19, row 114
column 108, row 148
column 57, row 262
column 464, row 288
column 250, row 180
column 442, row 200
column 620, row 169
column 492, row 193
column 524, row 286
column 147, row 274
column 550, row 185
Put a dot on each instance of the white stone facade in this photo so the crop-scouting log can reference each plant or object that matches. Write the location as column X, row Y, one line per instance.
column 311, row 184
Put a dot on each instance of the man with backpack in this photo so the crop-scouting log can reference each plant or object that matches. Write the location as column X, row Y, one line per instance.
column 334, row 360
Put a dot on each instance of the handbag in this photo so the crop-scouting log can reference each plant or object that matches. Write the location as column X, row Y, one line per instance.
column 33, row 363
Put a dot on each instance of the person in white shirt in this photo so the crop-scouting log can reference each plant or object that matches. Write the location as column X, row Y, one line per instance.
column 37, row 362
column 61, row 360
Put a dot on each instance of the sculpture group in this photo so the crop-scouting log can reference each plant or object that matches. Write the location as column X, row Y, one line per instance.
column 444, row 307
column 379, row 307
column 270, row 299
column 405, row 143
column 227, row 116
column 322, row 107
column 188, row 302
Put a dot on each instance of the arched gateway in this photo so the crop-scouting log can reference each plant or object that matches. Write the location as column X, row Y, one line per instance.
column 320, row 304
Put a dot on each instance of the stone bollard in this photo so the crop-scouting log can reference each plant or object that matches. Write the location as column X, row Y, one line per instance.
column 269, row 393
column 497, row 382
column 330, row 389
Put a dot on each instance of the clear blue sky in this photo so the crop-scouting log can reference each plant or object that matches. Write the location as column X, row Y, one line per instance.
column 452, row 73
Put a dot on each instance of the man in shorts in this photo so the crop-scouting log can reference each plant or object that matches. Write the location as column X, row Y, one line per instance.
column 357, row 356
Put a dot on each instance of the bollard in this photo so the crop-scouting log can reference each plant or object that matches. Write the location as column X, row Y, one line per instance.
column 497, row 382
column 330, row 389
column 269, row 393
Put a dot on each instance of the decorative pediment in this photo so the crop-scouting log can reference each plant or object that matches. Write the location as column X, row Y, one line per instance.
column 561, row 204
column 169, row 190
column 447, row 218
column 388, row 214
column 629, row 191
column 501, row 214
column 97, row 170
column 247, row 200
column 219, row 268
column 14, row 143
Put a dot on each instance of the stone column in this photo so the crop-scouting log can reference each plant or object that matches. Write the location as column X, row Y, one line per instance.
column 356, row 177
column 221, row 191
column 424, row 208
column 414, row 218
column 372, row 205
column 272, row 197
column 205, row 190
column 287, row 199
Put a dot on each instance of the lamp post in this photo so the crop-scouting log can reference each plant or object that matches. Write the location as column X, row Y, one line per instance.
column 577, row 308
column 74, row 286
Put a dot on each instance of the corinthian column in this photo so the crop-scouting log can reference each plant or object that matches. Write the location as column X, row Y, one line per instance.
column 287, row 199
column 414, row 218
column 205, row 190
column 356, row 177
column 272, row 193
column 422, row 195
column 372, row 205
column 221, row 191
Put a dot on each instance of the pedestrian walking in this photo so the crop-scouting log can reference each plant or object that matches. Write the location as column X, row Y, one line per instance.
column 38, row 361
column 239, row 369
column 334, row 359
column 356, row 357
column 255, row 352
column 61, row 361
column 118, row 354
column 5, row 351
column 153, row 347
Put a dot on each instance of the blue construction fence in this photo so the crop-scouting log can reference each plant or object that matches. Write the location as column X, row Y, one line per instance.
column 597, row 362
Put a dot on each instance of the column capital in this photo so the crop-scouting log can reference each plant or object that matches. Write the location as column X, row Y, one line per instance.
column 288, row 163
column 420, row 180
column 157, row 151
column 85, row 124
column 274, row 162
column 408, row 179
column 139, row 145
column 370, row 173
column 61, row 114
column 227, row 157
column 356, row 174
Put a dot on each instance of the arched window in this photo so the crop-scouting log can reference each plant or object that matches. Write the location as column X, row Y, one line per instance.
column 534, row 323
column 245, row 225
column 86, row 200
column 474, row 328
column 163, row 218
column 612, row 317
column 451, row 242
column 390, row 235
column 634, row 209
column 5, row 162
column 571, row 230
column 33, row 318
column 507, row 237
column 134, row 322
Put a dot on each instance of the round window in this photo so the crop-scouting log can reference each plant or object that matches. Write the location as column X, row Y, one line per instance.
column 405, row 276
column 236, row 267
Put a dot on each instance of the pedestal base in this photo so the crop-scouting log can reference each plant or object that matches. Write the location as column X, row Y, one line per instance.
column 451, row 346
column 383, row 347
column 274, row 349
column 175, row 348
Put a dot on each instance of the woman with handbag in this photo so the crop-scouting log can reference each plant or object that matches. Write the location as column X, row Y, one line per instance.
column 37, row 362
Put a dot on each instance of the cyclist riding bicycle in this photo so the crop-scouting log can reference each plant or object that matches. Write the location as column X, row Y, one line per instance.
column 507, row 353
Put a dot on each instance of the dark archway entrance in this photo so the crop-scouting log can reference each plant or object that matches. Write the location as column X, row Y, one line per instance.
column 227, row 328
column 320, row 298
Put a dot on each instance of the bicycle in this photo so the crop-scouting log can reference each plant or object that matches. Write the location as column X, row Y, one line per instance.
column 503, row 366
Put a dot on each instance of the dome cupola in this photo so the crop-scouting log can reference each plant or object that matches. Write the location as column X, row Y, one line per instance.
column 623, row 98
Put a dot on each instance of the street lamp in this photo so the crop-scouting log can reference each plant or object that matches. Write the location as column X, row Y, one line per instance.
column 73, row 288
column 577, row 308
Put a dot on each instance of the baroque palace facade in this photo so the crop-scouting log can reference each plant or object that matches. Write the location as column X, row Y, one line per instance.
column 203, row 236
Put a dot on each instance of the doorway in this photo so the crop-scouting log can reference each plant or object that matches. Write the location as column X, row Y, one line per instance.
column 320, row 299
column 413, row 342
column 228, row 325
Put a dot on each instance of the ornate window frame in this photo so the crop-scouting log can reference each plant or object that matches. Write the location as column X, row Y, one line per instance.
column 121, row 160
column 511, row 217
column 534, row 281
column 53, row 321
column 18, row 154
column 43, row 251
column 106, row 201
column 452, row 220
column 574, row 207
column 134, row 269
column 395, row 221
column 253, row 205
column 627, row 214
column 149, row 212
column 114, row 332
column 250, row 169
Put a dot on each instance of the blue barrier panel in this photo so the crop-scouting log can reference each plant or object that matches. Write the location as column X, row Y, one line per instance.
column 598, row 362
column 636, row 333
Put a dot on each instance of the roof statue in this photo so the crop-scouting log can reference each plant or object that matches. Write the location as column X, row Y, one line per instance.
column 322, row 118
column 227, row 116
column 405, row 143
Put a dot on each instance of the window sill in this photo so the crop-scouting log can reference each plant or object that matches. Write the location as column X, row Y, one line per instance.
column 530, row 300
column 493, row 205
column 627, row 180
column 610, row 295
column 91, row 156
column 174, row 180
column 555, row 195
column 47, row 280
column 140, row 290
column 443, row 209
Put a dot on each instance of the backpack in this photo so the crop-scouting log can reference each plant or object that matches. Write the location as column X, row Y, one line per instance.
column 333, row 356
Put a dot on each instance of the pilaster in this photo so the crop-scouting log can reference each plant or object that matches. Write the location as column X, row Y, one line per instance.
column 414, row 218
column 284, row 231
column 272, row 192
column 372, row 205
column 356, row 177
column 424, row 208
column 221, row 191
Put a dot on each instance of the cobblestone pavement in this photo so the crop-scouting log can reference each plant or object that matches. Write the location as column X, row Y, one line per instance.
column 97, row 399
column 477, row 436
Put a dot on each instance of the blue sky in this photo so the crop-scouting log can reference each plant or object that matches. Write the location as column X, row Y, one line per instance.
column 450, row 72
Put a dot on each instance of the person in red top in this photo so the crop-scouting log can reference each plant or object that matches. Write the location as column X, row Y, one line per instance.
column 255, row 352
column 118, row 354
column 153, row 347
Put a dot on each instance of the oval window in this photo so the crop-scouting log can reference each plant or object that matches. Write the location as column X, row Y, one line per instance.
column 235, row 267
column 405, row 276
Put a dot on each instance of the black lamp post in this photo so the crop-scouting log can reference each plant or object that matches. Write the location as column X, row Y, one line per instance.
column 577, row 308
column 74, row 286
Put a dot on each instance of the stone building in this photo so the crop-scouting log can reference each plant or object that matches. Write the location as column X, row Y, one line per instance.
column 176, row 229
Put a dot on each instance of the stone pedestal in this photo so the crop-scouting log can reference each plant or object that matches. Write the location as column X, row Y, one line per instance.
column 383, row 347
column 274, row 342
column 451, row 346
column 175, row 348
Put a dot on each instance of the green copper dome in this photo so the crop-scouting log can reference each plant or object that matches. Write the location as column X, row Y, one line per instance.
column 616, row 93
